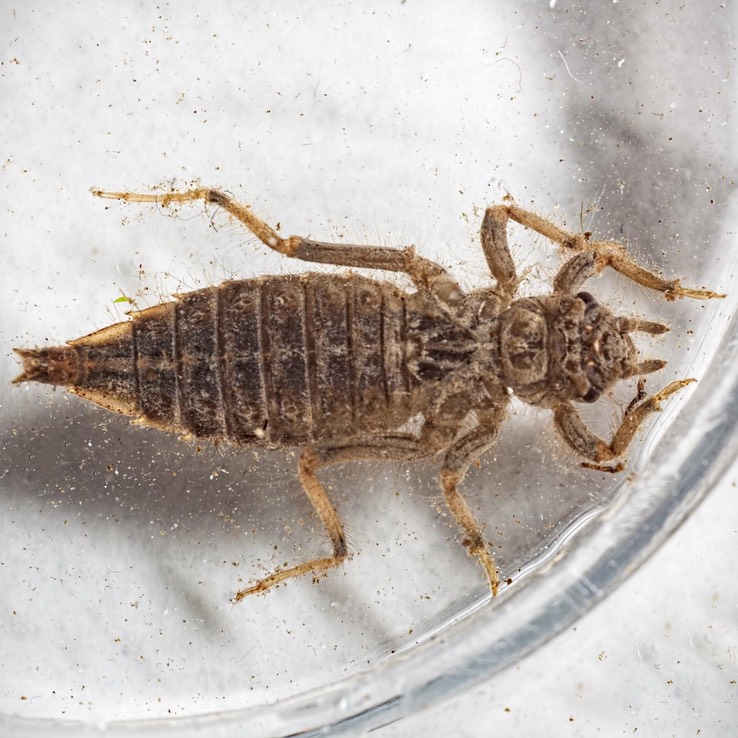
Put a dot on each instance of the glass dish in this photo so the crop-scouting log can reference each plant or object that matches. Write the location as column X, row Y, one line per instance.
column 122, row 546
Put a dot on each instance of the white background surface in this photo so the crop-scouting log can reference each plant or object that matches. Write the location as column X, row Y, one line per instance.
column 392, row 124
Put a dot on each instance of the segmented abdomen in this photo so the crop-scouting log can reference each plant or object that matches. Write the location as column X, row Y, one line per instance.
column 283, row 360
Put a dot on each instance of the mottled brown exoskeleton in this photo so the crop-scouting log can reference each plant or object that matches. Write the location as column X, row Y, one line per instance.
column 338, row 364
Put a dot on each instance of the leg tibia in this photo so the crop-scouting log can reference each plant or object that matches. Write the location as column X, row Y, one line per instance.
column 591, row 447
column 317, row 495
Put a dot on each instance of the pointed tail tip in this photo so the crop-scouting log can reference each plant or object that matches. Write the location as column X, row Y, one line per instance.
column 55, row 365
column 27, row 359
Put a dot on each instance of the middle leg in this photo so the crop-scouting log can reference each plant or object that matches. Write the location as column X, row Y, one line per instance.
column 465, row 451
column 602, row 254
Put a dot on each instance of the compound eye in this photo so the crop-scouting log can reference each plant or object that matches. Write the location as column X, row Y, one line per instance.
column 586, row 298
column 593, row 394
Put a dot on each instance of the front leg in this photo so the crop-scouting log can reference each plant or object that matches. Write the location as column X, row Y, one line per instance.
column 587, row 444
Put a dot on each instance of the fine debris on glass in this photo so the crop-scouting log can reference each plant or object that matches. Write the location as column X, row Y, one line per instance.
column 337, row 364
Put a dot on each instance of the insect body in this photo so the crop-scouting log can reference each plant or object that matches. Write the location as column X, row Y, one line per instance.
column 338, row 364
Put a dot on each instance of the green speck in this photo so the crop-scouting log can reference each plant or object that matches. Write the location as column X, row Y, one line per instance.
column 124, row 298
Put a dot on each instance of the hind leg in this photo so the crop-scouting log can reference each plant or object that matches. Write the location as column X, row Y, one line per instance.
column 425, row 274
column 317, row 495
column 399, row 447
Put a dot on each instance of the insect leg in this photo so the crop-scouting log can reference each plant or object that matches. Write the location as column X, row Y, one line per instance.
column 397, row 447
column 599, row 254
column 265, row 233
column 317, row 495
column 425, row 274
column 590, row 446
column 586, row 264
column 497, row 252
column 462, row 453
